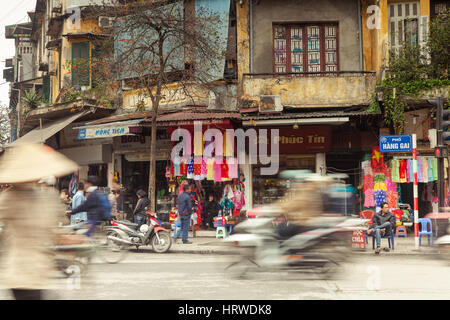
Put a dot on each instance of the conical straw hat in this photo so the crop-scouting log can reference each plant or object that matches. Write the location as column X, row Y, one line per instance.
column 32, row 162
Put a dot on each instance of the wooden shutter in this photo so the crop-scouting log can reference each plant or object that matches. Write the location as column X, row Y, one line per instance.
column 80, row 50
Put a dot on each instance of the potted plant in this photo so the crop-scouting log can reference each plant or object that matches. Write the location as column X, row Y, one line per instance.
column 32, row 99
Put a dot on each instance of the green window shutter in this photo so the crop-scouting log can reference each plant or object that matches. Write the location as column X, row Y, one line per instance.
column 95, row 54
column 80, row 57
column 46, row 88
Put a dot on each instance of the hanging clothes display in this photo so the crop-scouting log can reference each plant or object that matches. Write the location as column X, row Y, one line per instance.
column 425, row 170
column 431, row 174
column 419, row 170
column 402, row 171
column 395, row 173
column 369, row 200
column 434, row 165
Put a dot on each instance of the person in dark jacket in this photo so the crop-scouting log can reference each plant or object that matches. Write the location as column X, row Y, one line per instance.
column 92, row 205
column 140, row 211
column 383, row 223
column 212, row 209
column 185, row 205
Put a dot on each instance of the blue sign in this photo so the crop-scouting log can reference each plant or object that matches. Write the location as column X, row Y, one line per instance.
column 81, row 134
column 398, row 143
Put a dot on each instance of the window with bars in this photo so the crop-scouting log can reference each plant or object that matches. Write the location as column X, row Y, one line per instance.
column 305, row 48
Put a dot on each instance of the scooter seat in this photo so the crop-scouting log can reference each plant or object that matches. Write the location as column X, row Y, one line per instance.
column 128, row 223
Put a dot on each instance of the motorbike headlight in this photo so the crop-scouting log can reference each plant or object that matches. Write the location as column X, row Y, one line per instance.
column 143, row 228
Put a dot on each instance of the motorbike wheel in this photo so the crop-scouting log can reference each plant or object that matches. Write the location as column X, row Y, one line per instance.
column 111, row 251
column 162, row 244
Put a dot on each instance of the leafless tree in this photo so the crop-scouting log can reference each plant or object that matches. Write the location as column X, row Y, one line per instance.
column 157, row 43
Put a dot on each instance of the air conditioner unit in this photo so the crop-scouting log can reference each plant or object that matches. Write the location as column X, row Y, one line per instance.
column 270, row 104
column 105, row 22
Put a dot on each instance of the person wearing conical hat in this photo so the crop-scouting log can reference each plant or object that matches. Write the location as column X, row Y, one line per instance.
column 29, row 214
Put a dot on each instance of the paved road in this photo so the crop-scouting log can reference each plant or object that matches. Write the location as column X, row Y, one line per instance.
column 190, row 276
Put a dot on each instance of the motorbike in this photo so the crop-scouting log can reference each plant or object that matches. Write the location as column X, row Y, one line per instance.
column 150, row 232
column 321, row 248
column 74, row 254
column 444, row 246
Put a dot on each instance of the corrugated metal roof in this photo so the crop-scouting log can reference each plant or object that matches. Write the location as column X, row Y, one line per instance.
column 316, row 114
column 192, row 115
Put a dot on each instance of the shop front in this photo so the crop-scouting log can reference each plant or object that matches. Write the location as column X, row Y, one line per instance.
column 389, row 178
column 132, row 166
column 302, row 148
column 205, row 173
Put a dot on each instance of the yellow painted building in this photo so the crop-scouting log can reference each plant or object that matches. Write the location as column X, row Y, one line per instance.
column 384, row 22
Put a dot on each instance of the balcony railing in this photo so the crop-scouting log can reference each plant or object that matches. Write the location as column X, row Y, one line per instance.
column 314, row 89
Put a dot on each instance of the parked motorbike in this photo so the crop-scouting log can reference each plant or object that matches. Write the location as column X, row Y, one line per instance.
column 320, row 248
column 149, row 233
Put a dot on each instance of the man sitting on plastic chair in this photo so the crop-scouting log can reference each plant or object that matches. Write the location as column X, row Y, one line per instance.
column 383, row 224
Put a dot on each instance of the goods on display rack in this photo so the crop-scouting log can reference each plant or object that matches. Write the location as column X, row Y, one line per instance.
column 383, row 179
column 207, row 176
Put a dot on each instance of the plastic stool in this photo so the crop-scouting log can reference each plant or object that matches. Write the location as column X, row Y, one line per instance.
column 401, row 231
column 221, row 232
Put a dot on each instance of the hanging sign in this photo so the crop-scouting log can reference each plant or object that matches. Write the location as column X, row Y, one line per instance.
column 397, row 143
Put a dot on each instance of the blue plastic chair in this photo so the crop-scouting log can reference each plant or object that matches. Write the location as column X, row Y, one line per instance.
column 424, row 230
column 390, row 238
column 177, row 230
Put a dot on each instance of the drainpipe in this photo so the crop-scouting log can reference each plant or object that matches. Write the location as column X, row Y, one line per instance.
column 251, row 35
column 361, row 65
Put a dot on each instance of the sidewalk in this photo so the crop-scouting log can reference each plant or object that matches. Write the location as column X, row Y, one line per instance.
column 205, row 242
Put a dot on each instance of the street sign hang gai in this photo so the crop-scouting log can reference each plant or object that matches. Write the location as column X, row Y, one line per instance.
column 396, row 143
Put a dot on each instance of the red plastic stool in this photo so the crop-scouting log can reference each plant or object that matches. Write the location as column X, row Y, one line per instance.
column 401, row 231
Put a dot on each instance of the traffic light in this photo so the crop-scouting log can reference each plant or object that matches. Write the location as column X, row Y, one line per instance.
column 441, row 152
column 442, row 120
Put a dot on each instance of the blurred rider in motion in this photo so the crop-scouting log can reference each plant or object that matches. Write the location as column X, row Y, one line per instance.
column 303, row 202
column 29, row 214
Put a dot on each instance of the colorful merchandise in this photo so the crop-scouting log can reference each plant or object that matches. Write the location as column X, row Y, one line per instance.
column 395, row 173
column 380, row 197
column 432, row 169
column 368, row 182
column 377, row 161
column 402, row 171
column 210, row 169
column 419, row 170
column 218, row 170
column 369, row 200
column 233, row 167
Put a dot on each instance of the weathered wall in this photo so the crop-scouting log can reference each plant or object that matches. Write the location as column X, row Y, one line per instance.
column 267, row 12
column 315, row 91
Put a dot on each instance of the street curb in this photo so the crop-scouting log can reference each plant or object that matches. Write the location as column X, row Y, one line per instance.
column 223, row 252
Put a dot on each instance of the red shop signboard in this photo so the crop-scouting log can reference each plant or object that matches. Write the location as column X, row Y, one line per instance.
column 311, row 139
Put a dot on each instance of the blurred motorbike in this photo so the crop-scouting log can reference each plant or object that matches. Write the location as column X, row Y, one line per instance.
column 73, row 251
column 321, row 247
column 444, row 245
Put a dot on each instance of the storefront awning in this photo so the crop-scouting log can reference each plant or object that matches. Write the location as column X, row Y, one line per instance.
column 106, row 130
column 299, row 121
column 40, row 135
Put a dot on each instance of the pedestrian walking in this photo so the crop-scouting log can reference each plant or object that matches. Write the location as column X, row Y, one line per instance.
column 94, row 205
column 78, row 200
column 185, row 205
column 30, row 214
column 140, row 211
